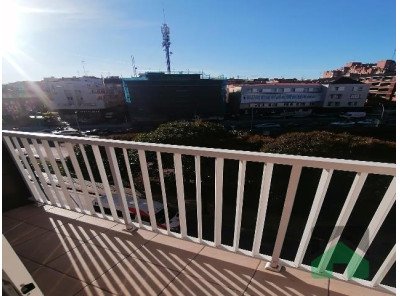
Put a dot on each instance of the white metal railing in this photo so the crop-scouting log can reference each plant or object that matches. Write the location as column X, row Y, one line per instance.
column 57, row 187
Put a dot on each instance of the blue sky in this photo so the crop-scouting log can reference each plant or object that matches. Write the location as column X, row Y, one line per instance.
column 232, row 38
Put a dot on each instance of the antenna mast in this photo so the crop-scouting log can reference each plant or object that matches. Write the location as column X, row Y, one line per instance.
column 133, row 66
column 166, row 43
column 83, row 66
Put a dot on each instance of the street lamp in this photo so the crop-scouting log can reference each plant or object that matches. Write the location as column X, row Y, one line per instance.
column 77, row 121
column 383, row 110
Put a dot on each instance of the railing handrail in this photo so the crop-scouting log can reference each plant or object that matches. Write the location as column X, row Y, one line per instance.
column 282, row 159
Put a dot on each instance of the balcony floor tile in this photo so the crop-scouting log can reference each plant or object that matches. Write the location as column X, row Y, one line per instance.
column 46, row 247
column 223, row 268
column 25, row 212
column 30, row 265
column 289, row 281
column 93, row 291
column 168, row 252
column 9, row 223
column 81, row 230
column 120, row 240
column 135, row 277
column 22, row 233
column 185, row 284
column 339, row 288
column 55, row 283
column 86, row 262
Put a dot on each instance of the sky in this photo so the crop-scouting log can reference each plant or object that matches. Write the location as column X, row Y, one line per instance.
column 249, row 39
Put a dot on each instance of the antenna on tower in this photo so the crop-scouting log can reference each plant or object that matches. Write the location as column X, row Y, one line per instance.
column 83, row 66
column 166, row 43
column 394, row 54
column 133, row 66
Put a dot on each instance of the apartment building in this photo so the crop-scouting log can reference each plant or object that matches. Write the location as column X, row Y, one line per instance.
column 281, row 95
column 381, row 85
column 356, row 69
column 19, row 99
column 86, row 99
column 326, row 93
column 345, row 92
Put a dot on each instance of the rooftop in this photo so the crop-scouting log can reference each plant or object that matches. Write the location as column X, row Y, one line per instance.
column 84, row 255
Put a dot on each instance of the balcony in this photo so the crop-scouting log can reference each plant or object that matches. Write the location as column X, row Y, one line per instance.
column 97, row 229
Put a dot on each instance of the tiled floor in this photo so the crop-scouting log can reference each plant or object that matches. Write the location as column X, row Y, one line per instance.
column 68, row 253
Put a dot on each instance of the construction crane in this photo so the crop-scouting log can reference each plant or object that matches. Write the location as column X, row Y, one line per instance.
column 166, row 43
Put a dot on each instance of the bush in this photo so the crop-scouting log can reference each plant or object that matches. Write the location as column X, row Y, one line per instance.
column 198, row 133
column 326, row 144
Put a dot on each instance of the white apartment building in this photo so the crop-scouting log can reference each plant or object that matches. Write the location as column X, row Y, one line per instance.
column 345, row 92
column 340, row 93
column 76, row 93
column 281, row 95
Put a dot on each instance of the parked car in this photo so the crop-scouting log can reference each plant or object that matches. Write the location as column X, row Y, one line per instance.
column 268, row 125
column 369, row 122
column 343, row 123
column 143, row 209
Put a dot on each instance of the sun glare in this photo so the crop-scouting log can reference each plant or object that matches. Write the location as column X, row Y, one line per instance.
column 9, row 26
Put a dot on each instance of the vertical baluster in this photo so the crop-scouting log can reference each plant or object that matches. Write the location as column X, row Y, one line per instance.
column 60, row 179
column 38, row 171
column 86, row 197
column 287, row 210
column 180, row 193
column 112, row 158
column 164, row 195
column 377, row 220
column 347, row 208
column 76, row 203
column 26, row 172
column 385, row 267
column 198, row 198
column 262, row 207
column 128, row 167
column 147, row 188
column 239, row 203
column 104, row 180
column 42, row 159
column 94, row 185
column 219, row 179
column 313, row 216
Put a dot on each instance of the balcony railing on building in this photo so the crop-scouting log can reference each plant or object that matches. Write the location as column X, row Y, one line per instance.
column 267, row 206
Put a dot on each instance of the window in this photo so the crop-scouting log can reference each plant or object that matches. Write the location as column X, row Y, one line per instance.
column 299, row 89
column 349, row 103
column 338, row 88
column 357, row 96
column 311, row 89
column 287, row 89
column 337, row 104
column 336, row 96
column 330, row 104
column 357, row 88
column 355, row 103
column 279, row 90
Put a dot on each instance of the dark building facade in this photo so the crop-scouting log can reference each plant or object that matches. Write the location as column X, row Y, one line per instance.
column 164, row 97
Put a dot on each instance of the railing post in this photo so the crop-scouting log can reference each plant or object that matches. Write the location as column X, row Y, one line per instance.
column 219, row 179
column 287, row 210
